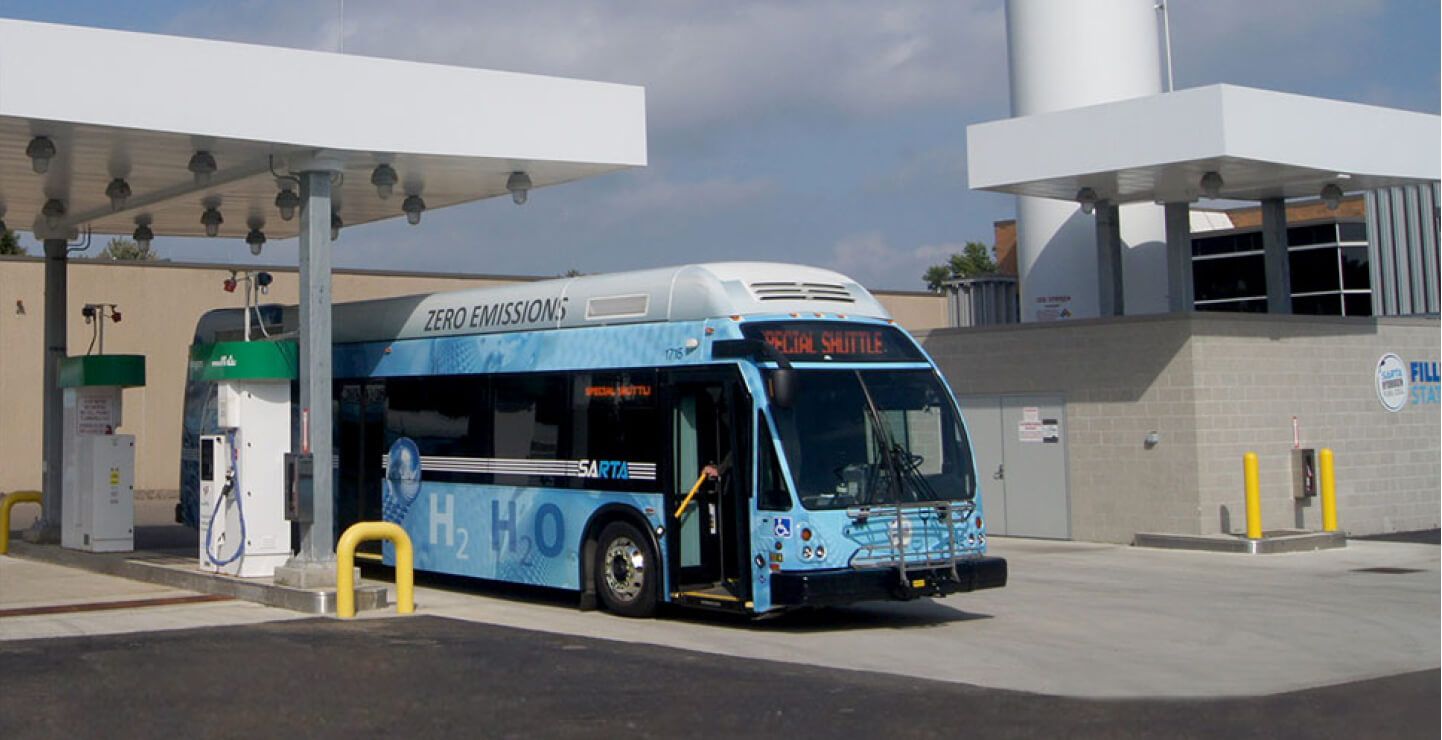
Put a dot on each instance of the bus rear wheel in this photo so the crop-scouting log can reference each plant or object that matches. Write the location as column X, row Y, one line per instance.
column 626, row 571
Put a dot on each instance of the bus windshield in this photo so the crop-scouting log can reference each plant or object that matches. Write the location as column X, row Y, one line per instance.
column 861, row 438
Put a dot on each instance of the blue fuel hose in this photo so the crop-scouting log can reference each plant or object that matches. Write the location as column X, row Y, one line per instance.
column 230, row 488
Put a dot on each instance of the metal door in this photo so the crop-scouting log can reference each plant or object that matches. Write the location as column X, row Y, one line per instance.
column 1020, row 448
column 983, row 425
column 1034, row 452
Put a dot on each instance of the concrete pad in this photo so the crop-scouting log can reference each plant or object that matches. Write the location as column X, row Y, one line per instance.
column 1090, row 620
column 1270, row 543
column 177, row 567
column 26, row 583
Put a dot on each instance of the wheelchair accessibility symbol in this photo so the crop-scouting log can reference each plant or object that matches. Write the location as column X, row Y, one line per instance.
column 782, row 527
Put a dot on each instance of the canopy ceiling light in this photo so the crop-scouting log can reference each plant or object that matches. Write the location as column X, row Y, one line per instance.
column 40, row 151
column 118, row 191
column 1088, row 200
column 1212, row 184
column 202, row 165
column 519, row 183
column 384, row 178
column 256, row 240
column 413, row 207
column 143, row 234
column 54, row 212
column 1332, row 196
column 212, row 221
column 335, row 226
column 287, row 201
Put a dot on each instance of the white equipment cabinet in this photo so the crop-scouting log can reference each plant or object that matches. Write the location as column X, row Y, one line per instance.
column 98, row 484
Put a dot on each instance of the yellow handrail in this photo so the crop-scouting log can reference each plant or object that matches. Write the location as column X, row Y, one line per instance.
column 690, row 496
column 8, row 503
column 345, row 565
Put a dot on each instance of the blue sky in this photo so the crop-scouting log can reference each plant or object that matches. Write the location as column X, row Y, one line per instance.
column 827, row 132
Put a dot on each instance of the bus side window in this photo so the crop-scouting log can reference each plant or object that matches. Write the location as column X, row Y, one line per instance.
column 772, row 495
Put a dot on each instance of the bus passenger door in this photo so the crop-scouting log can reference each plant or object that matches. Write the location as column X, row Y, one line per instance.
column 360, row 444
column 709, row 540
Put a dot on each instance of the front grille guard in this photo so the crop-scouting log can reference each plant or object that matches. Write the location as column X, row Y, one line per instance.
column 924, row 515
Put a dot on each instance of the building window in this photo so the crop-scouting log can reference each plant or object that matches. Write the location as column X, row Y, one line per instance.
column 1328, row 261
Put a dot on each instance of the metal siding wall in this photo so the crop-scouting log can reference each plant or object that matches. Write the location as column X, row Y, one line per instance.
column 982, row 302
column 1402, row 242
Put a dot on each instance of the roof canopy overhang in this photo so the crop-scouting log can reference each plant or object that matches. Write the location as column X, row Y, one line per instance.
column 138, row 106
column 1263, row 144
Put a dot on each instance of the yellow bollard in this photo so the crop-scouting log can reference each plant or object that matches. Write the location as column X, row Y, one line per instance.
column 8, row 503
column 1329, row 489
column 1254, row 496
column 345, row 565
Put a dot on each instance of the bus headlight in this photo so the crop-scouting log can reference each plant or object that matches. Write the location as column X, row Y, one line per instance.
column 806, row 553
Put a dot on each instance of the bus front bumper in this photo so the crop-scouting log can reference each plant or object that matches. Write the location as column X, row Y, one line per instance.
column 833, row 587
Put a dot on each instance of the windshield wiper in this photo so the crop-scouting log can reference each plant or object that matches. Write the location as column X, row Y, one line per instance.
column 882, row 436
column 903, row 466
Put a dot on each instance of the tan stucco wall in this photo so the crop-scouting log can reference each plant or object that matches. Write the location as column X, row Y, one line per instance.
column 913, row 310
column 1215, row 386
column 160, row 304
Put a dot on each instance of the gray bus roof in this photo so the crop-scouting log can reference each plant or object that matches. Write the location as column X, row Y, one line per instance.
column 684, row 293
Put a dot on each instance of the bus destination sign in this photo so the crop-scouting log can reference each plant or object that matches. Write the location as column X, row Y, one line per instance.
column 828, row 341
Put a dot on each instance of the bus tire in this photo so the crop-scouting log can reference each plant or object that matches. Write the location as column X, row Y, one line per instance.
column 626, row 570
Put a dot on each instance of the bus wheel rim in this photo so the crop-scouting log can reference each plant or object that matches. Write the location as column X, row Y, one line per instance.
column 625, row 568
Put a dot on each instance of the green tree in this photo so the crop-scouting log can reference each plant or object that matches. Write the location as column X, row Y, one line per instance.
column 10, row 244
column 121, row 248
column 974, row 260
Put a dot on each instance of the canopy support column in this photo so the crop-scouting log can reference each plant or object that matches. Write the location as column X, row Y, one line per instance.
column 1274, row 251
column 1180, row 296
column 1111, row 290
column 47, row 528
column 314, row 565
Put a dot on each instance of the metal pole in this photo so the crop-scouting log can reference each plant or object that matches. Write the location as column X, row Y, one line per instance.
column 1254, row 496
column 1328, row 466
column 1274, row 251
column 1167, row 38
column 1111, row 291
column 314, row 565
column 47, row 527
column 1179, row 257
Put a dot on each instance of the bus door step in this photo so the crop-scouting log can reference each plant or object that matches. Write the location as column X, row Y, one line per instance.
column 713, row 597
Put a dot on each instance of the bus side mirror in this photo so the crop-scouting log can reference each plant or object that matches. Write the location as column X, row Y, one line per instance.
column 782, row 379
column 783, row 387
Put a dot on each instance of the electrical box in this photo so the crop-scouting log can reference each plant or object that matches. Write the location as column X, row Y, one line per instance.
column 299, row 487
column 97, row 485
column 243, row 529
column 1304, row 473
column 98, row 495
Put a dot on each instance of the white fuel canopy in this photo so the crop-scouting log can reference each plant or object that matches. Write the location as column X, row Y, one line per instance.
column 138, row 107
column 128, row 133
column 1263, row 144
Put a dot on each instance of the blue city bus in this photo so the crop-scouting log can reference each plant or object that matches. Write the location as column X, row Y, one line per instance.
column 751, row 437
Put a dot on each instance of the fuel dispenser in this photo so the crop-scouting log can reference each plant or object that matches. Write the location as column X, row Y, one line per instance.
column 97, row 487
column 243, row 530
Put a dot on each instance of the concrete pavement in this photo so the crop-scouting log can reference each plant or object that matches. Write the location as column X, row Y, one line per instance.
column 39, row 600
column 428, row 677
column 1079, row 619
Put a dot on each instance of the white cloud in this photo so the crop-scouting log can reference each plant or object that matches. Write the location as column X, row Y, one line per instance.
column 873, row 261
column 657, row 197
column 701, row 61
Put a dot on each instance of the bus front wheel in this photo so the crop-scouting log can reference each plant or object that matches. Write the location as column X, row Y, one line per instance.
column 626, row 571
